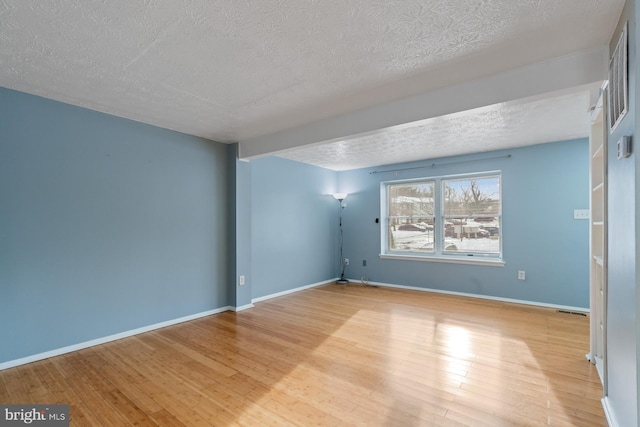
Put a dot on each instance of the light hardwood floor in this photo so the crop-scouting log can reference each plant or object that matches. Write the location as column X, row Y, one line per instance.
column 333, row 355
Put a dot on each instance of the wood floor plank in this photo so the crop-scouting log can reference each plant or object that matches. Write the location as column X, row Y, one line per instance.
column 333, row 355
column 15, row 390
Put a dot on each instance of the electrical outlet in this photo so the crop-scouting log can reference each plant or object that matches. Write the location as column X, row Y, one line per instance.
column 364, row 262
column 241, row 280
column 346, row 261
column 520, row 275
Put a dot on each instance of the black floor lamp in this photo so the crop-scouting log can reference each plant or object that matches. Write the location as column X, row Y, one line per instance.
column 340, row 198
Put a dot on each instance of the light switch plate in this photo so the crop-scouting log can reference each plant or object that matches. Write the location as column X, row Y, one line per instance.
column 581, row 214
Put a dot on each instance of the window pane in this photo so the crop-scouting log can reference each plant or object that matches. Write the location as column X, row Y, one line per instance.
column 411, row 199
column 477, row 235
column 415, row 235
column 411, row 216
column 471, row 197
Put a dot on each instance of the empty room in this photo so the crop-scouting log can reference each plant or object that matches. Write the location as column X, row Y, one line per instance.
column 319, row 213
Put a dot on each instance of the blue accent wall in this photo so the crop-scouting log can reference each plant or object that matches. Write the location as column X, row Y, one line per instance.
column 293, row 225
column 623, row 297
column 106, row 225
column 242, row 240
column 541, row 187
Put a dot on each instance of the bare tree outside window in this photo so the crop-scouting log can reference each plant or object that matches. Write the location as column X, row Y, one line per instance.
column 472, row 212
column 464, row 217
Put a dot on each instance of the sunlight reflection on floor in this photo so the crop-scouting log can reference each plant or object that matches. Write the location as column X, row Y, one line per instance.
column 423, row 364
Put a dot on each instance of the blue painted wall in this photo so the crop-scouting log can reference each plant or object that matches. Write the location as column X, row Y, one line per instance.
column 242, row 238
column 293, row 220
column 623, row 299
column 106, row 225
column 541, row 187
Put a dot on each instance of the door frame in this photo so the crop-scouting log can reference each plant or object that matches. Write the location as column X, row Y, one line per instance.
column 598, row 313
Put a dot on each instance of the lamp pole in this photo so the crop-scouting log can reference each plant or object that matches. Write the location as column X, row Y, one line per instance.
column 340, row 198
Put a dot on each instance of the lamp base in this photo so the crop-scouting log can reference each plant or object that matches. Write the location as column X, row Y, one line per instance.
column 342, row 281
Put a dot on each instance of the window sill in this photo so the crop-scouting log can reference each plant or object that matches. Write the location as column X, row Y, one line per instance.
column 492, row 262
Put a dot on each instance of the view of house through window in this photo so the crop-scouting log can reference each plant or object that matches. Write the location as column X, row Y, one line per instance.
column 412, row 216
column 444, row 216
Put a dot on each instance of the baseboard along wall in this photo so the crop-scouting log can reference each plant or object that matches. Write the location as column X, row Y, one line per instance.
column 125, row 334
column 103, row 340
column 487, row 297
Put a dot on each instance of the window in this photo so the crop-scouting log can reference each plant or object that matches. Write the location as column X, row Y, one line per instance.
column 412, row 217
column 444, row 218
column 618, row 92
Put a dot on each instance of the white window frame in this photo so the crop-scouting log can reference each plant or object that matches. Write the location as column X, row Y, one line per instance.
column 439, row 254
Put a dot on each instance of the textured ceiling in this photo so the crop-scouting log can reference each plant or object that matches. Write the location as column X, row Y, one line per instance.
column 233, row 70
column 507, row 125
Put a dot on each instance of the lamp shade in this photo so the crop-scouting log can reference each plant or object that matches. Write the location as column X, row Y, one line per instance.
column 340, row 196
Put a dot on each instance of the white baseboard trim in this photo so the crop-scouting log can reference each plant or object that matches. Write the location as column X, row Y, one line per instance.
column 242, row 307
column 103, row 340
column 607, row 412
column 114, row 337
column 488, row 297
column 290, row 291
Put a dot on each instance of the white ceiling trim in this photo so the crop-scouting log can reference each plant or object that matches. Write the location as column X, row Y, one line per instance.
column 501, row 126
column 548, row 77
